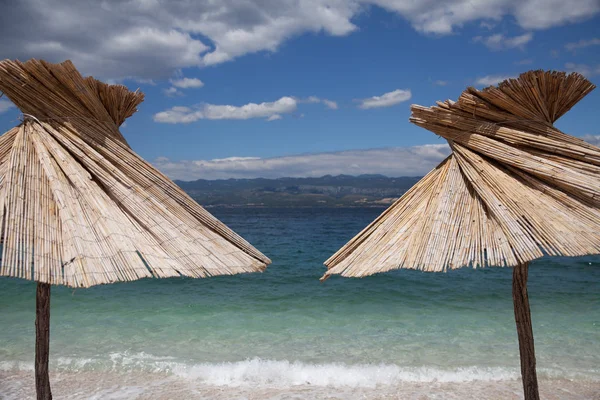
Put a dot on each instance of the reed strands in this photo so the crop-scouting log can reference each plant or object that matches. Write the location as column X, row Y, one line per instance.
column 515, row 188
column 80, row 208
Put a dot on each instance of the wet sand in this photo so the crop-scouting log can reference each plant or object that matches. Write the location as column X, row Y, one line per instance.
column 158, row 386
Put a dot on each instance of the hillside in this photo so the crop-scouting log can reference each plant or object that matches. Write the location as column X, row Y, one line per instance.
column 326, row 191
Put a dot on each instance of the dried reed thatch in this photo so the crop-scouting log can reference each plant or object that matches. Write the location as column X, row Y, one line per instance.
column 80, row 208
column 513, row 189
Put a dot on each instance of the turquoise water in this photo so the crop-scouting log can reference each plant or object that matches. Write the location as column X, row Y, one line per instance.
column 285, row 327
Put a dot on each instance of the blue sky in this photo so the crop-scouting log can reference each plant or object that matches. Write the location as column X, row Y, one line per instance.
column 303, row 88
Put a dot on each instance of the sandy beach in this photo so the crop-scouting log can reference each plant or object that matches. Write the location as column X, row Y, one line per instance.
column 19, row 386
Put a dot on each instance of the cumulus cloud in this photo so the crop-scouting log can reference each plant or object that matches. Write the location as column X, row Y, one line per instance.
column 386, row 99
column 586, row 70
column 542, row 14
column 151, row 39
column 582, row 44
column 490, row 80
column 441, row 17
column 186, row 83
column 186, row 115
column 182, row 83
column 178, row 115
column 5, row 105
column 501, row 42
column 395, row 161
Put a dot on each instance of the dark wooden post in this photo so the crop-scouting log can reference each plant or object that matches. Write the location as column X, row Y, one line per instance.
column 525, row 332
column 42, row 341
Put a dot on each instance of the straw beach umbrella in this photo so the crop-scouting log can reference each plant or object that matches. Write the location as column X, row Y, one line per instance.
column 514, row 189
column 80, row 208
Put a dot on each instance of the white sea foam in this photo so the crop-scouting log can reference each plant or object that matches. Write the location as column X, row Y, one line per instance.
column 121, row 376
column 285, row 373
column 282, row 373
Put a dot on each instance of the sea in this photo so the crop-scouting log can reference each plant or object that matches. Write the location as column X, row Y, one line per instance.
column 283, row 334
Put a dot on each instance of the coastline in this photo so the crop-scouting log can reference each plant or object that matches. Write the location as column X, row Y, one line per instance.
column 162, row 386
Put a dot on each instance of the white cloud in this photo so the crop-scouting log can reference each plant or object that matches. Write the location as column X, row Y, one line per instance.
column 542, row 14
column 185, row 115
column 172, row 92
column 582, row 44
column 145, row 81
column 489, row 80
column 441, row 17
column 186, row 83
column 330, row 104
column 586, row 70
column 274, row 117
column 178, row 115
column 387, row 99
column 487, row 25
column 592, row 139
column 396, row 161
column 440, row 83
column 5, row 105
column 148, row 39
column 501, row 42
column 251, row 110
column 182, row 83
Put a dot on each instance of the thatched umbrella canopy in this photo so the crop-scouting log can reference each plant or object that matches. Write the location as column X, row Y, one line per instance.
column 514, row 189
column 80, row 208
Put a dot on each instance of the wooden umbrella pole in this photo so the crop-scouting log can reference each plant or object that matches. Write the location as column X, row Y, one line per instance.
column 42, row 341
column 525, row 332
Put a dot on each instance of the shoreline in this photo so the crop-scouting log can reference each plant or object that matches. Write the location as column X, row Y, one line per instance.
column 146, row 377
column 162, row 386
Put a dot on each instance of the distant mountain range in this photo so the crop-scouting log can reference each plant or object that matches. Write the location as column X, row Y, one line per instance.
column 326, row 191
